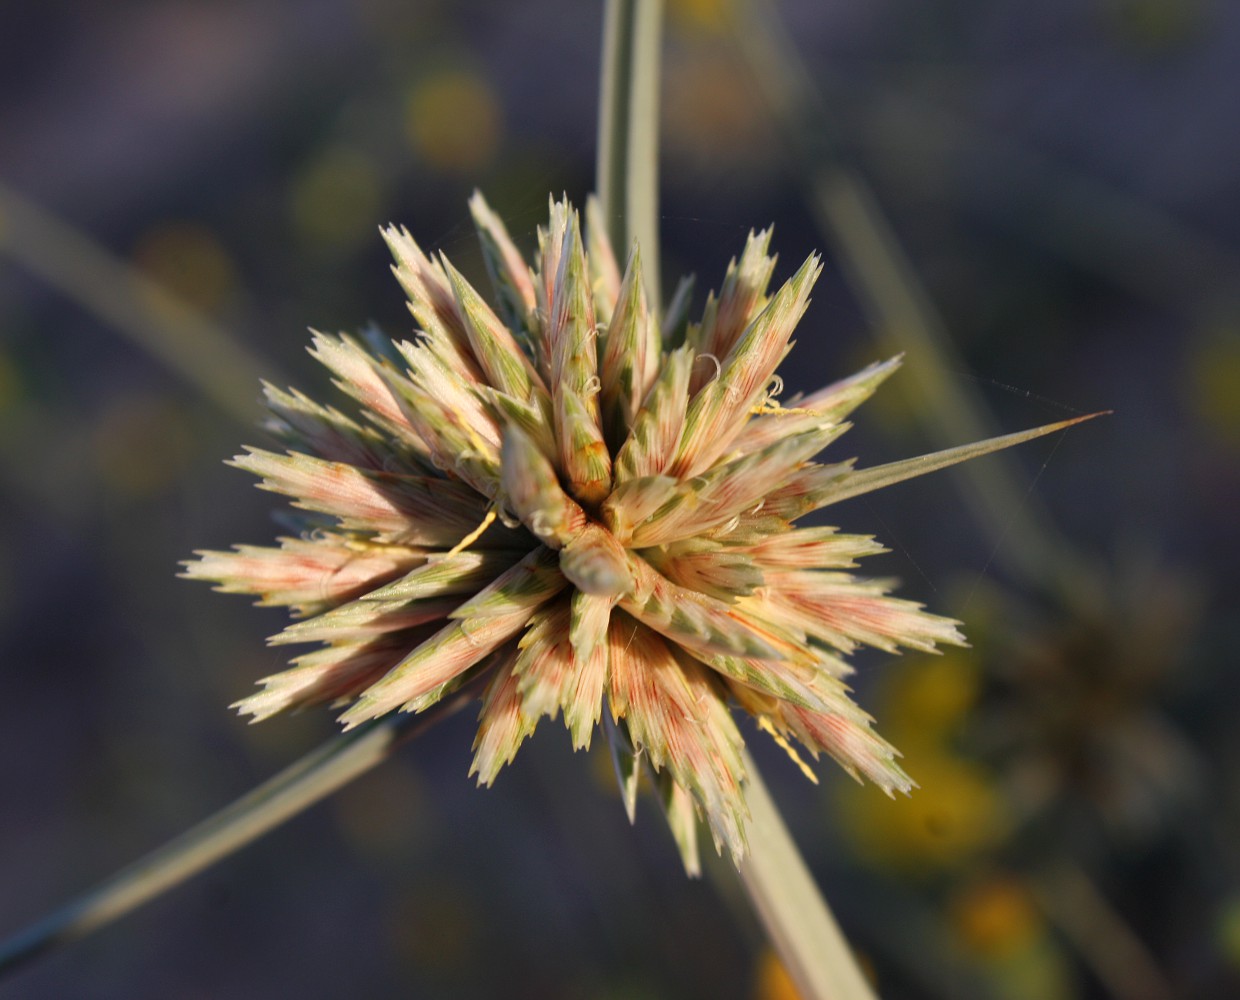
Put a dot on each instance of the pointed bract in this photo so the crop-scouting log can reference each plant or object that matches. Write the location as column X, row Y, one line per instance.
column 718, row 412
column 573, row 339
column 481, row 626
column 533, row 493
column 493, row 344
column 430, row 295
column 657, row 426
column 369, row 381
column 740, row 299
column 630, row 356
column 624, row 757
column 678, row 720
column 414, row 510
column 514, row 284
column 308, row 576
column 676, row 312
column 503, row 724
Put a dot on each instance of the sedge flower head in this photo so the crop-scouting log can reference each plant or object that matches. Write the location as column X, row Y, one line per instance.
column 592, row 503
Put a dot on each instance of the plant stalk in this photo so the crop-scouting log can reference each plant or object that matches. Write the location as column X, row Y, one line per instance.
column 293, row 790
column 203, row 353
column 792, row 910
column 778, row 883
column 628, row 133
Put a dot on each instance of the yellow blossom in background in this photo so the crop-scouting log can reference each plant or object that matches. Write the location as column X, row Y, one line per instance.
column 995, row 916
column 188, row 260
column 772, row 981
column 959, row 811
column 997, row 922
column 1227, row 931
column 334, row 196
column 11, row 388
column 130, row 430
column 926, row 700
column 454, row 121
column 957, row 814
column 699, row 15
column 1211, row 383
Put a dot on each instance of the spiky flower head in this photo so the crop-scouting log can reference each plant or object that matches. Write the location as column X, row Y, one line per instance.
column 592, row 503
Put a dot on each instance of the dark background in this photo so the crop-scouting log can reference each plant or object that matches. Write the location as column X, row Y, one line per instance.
column 1065, row 177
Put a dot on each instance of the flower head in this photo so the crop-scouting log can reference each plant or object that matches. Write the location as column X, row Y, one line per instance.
column 591, row 503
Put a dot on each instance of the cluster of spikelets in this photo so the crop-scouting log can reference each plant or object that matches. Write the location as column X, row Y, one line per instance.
column 594, row 505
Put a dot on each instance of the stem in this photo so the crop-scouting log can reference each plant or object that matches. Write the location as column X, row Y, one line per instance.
column 795, row 915
column 780, row 887
column 204, row 354
column 1101, row 937
column 628, row 135
column 296, row 788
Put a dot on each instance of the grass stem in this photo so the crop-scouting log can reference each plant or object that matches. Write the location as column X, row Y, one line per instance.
column 290, row 792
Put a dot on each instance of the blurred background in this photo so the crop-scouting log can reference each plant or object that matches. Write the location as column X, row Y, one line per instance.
column 186, row 186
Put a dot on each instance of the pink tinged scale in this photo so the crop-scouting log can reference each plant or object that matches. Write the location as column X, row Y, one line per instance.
column 449, row 415
column 413, row 510
column 714, row 497
column 718, row 411
column 366, row 379
column 503, row 722
column 323, row 431
column 562, row 665
column 843, row 732
column 726, row 637
column 828, row 406
column 675, row 715
column 430, row 592
column 431, row 299
column 812, row 548
column 741, row 297
column 659, row 422
column 332, row 675
column 307, row 576
column 479, row 627
column 725, row 572
column 845, row 612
